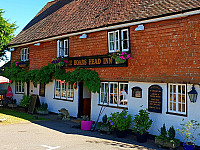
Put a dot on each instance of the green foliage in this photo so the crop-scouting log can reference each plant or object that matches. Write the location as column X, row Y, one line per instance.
column 167, row 135
column 25, row 101
column 85, row 118
column 163, row 131
column 6, row 32
column 142, row 122
column 171, row 133
column 104, row 119
column 43, row 107
column 120, row 121
column 45, row 74
column 188, row 130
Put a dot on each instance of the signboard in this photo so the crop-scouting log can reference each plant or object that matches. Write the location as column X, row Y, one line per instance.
column 32, row 103
column 137, row 92
column 95, row 61
column 155, row 99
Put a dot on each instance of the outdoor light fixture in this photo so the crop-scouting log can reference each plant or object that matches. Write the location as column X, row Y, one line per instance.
column 83, row 36
column 140, row 27
column 193, row 95
column 37, row 44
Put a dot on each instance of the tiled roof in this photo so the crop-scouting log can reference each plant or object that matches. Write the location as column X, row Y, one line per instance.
column 67, row 16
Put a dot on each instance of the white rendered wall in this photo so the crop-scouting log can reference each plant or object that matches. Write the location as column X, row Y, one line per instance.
column 158, row 118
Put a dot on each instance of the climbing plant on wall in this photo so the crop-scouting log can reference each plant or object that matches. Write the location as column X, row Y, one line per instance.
column 45, row 74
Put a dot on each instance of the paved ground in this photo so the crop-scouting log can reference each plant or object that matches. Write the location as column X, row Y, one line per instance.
column 59, row 135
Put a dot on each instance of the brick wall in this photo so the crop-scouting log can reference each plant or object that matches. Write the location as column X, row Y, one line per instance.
column 166, row 51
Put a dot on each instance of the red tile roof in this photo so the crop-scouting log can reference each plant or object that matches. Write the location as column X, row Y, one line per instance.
column 67, row 16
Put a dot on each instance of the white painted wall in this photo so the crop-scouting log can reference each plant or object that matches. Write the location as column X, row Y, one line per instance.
column 158, row 118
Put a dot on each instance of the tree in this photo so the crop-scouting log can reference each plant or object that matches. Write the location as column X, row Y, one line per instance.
column 6, row 33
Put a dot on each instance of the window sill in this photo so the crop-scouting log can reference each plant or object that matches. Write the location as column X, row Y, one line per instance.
column 171, row 113
column 63, row 99
column 128, row 52
column 118, row 107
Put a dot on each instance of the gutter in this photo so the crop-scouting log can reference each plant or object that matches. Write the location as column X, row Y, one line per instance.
column 185, row 14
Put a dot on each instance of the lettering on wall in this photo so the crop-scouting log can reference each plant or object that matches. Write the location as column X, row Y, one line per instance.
column 94, row 61
column 155, row 99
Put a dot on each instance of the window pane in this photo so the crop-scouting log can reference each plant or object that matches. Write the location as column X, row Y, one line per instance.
column 111, row 45
column 174, row 97
column 111, row 37
column 171, row 98
column 22, row 87
column 183, row 107
column 183, row 98
column 183, row 89
column 179, row 97
column 174, row 88
column 174, row 106
column 170, row 105
column 125, row 44
column 179, row 89
column 179, row 107
column 171, row 87
column 125, row 35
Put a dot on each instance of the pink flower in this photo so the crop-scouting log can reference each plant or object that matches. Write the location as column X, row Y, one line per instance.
column 121, row 57
column 65, row 61
column 122, row 53
column 125, row 53
column 128, row 57
column 16, row 63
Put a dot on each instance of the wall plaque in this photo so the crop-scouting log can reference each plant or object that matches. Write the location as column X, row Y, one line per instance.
column 137, row 92
column 155, row 99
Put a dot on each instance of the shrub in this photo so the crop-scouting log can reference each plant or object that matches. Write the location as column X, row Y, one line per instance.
column 25, row 101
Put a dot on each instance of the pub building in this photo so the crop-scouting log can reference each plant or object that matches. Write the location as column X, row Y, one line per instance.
column 163, row 40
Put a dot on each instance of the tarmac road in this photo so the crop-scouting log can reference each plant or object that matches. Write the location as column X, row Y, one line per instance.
column 52, row 135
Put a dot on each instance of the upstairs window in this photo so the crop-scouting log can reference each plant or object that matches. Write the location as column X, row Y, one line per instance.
column 118, row 40
column 24, row 54
column 62, row 48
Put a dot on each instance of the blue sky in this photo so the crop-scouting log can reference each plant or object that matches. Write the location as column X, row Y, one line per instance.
column 21, row 12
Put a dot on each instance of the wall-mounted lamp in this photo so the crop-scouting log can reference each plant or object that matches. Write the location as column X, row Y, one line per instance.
column 140, row 27
column 193, row 95
column 37, row 44
column 83, row 36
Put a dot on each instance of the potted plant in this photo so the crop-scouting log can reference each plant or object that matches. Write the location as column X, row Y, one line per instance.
column 104, row 126
column 120, row 122
column 25, row 101
column 187, row 131
column 59, row 62
column 86, row 124
column 42, row 110
column 22, row 64
column 166, row 138
column 12, row 103
column 142, row 125
column 120, row 57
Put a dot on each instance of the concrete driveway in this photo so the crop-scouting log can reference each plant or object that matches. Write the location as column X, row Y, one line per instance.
column 58, row 135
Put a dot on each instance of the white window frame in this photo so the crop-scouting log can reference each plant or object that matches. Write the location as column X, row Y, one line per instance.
column 104, row 93
column 24, row 54
column 19, row 87
column 66, row 89
column 63, row 52
column 112, row 92
column 122, row 84
column 177, row 102
column 122, row 40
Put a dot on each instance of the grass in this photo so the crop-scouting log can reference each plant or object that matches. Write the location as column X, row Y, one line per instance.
column 13, row 116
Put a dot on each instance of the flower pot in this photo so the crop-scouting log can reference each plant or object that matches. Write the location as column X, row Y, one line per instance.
column 167, row 143
column 121, row 134
column 188, row 147
column 86, row 125
column 142, row 138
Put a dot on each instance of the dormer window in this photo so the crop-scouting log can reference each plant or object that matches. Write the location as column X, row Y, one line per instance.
column 24, row 54
column 118, row 40
column 62, row 48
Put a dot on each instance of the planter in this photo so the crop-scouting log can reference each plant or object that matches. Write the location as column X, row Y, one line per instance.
column 12, row 105
column 105, row 129
column 142, row 138
column 86, row 125
column 42, row 112
column 167, row 144
column 188, row 147
column 121, row 134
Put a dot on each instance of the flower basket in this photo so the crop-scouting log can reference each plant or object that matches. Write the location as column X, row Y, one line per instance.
column 121, row 58
column 86, row 125
column 22, row 65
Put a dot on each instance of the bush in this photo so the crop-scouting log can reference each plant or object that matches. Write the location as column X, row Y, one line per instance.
column 120, row 121
column 25, row 101
column 142, row 122
column 43, row 107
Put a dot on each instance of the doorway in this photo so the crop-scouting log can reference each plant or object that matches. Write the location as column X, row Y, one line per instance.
column 84, row 105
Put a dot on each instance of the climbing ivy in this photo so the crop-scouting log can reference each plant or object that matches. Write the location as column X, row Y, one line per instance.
column 45, row 74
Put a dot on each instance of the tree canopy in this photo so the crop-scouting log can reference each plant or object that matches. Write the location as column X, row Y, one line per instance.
column 6, row 32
